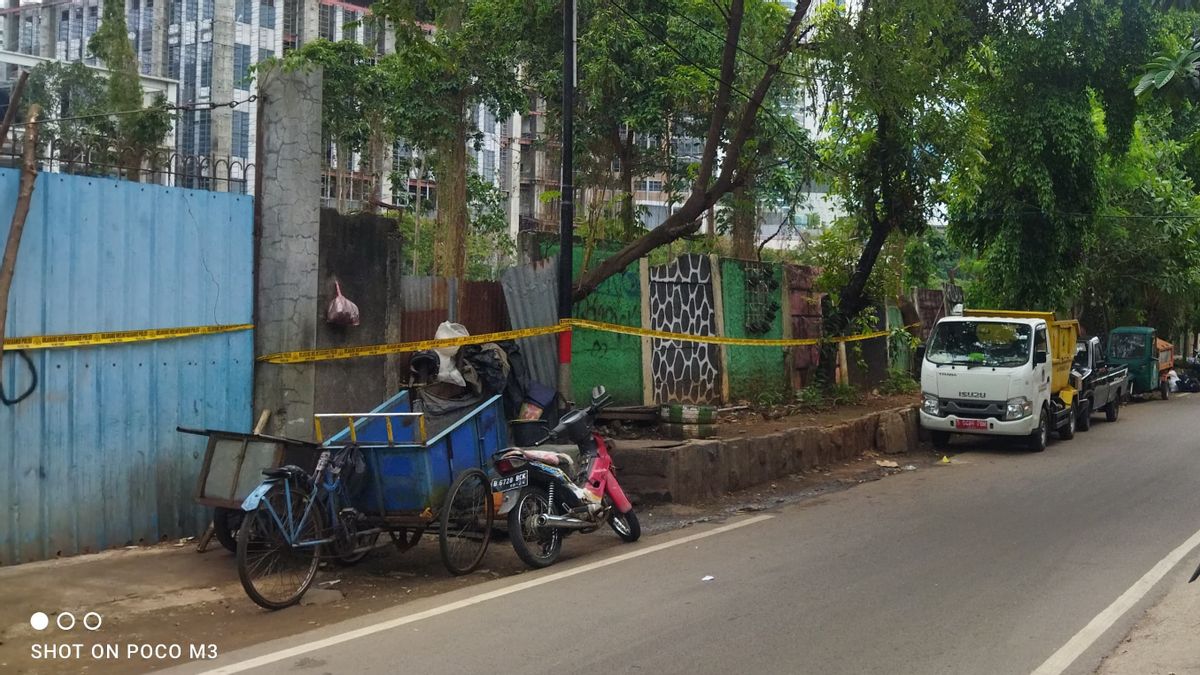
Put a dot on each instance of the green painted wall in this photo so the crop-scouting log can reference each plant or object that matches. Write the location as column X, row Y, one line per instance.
column 756, row 374
column 603, row 358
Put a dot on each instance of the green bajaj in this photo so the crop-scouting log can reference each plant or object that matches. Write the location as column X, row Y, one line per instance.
column 1147, row 357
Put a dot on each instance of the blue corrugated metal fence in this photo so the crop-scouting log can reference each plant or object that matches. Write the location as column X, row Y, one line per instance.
column 91, row 460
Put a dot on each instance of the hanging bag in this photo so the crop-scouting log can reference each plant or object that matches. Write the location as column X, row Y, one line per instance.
column 341, row 311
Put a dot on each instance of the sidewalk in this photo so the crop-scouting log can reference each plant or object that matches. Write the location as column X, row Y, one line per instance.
column 1166, row 640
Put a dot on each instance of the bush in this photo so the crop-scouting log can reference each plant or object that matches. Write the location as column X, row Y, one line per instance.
column 845, row 394
column 898, row 382
column 812, row 396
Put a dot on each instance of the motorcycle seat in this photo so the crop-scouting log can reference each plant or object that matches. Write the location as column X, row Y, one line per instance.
column 566, row 457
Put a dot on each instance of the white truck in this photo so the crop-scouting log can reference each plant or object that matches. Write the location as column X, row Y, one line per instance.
column 1000, row 373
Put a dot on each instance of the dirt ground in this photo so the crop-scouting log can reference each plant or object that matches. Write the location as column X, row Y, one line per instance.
column 172, row 595
column 758, row 420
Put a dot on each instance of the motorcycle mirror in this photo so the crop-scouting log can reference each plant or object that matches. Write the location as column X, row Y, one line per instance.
column 598, row 393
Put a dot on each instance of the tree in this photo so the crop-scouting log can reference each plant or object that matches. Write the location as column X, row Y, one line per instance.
column 722, row 164
column 890, row 71
column 136, row 130
column 1054, row 94
column 469, row 60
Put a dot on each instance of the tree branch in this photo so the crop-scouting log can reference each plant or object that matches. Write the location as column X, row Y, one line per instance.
column 685, row 221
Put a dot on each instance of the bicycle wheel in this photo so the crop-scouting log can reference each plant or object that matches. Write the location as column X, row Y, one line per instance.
column 466, row 522
column 274, row 571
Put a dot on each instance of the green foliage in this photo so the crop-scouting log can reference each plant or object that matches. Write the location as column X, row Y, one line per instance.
column 844, row 394
column 812, row 397
column 1055, row 97
column 897, row 383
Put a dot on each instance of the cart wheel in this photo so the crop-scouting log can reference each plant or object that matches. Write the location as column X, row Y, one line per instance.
column 225, row 526
column 405, row 538
column 274, row 571
column 466, row 522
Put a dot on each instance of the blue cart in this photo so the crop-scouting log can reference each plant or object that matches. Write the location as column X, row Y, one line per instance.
column 392, row 470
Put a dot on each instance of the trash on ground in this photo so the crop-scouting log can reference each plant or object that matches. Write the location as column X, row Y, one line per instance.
column 331, row 582
column 707, row 578
column 887, row 464
column 910, row 467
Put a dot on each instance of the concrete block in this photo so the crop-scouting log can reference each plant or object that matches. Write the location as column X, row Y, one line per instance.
column 891, row 434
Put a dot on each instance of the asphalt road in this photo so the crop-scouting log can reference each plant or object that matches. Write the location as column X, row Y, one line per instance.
column 987, row 565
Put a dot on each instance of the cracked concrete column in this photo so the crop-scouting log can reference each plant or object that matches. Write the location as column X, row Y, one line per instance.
column 287, row 256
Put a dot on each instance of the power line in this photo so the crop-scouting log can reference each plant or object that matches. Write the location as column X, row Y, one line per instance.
column 182, row 107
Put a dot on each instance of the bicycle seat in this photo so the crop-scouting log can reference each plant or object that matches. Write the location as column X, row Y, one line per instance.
column 284, row 472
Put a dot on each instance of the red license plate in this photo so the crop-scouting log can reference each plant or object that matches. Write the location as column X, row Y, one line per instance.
column 971, row 424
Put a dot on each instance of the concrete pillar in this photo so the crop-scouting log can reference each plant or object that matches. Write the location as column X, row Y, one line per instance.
column 158, row 34
column 513, row 170
column 222, row 92
column 48, row 31
column 287, row 215
column 310, row 26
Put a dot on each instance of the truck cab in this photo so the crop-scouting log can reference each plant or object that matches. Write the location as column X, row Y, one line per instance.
column 1100, row 385
column 1147, row 357
column 999, row 373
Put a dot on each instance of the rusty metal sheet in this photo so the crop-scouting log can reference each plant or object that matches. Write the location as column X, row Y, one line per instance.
column 531, row 296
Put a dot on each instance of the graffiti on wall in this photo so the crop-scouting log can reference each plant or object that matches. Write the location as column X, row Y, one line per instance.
column 681, row 301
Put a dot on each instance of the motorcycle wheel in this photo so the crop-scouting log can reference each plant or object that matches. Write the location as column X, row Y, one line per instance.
column 626, row 525
column 536, row 546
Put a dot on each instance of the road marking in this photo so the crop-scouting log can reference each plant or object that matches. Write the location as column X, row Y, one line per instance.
column 282, row 654
column 1076, row 646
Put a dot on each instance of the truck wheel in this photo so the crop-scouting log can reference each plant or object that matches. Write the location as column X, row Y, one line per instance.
column 941, row 439
column 1113, row 410
column 1164, row 390
column 1040, row 437
column 1085, row 415
column 1067, row 431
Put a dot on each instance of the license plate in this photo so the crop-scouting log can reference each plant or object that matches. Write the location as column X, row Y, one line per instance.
column 971, row 424
column 513, row 482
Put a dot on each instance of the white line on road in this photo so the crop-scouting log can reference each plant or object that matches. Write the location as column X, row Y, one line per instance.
column 1076, row 646
column 282, row 654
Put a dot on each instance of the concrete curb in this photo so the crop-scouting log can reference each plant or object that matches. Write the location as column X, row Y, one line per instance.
column 700, row 470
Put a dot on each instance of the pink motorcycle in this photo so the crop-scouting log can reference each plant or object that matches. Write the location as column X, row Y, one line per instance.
column 551, row 491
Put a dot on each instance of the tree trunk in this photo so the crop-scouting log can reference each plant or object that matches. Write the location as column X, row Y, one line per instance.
column 745, row 220
column 29, row 171
column 623, row 148
column 854, row 296
column 452, row 199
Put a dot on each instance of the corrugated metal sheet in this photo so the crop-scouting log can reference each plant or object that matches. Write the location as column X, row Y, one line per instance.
column 428, row 301
column 92, row 460
column 531, row 292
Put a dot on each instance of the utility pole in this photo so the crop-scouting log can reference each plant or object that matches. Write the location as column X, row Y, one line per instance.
column 566, row 228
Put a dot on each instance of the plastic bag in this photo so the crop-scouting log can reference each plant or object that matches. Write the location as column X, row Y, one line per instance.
column 448, row 372
column 341, row 311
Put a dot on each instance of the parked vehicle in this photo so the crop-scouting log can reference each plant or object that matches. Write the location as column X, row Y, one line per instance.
column 1101, row 385
column 1148, row 358
column 552, row 491
column 1001, row 373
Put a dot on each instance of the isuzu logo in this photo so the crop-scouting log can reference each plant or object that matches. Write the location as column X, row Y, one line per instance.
column 972, row 394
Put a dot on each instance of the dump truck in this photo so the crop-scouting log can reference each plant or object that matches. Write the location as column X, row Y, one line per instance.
column 1000, row 373
column 1148, row 357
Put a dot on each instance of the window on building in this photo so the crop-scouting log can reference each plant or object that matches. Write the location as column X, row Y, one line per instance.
column 489, row 166
column 242, row 11
column 203, row 132
column 264, row 54
column 176, row 12
column 505, row 164
column 370, row 38
column 266, row 14
column 241, row 67
column 188, row 77
column 487, row 120
column 64, row 25
column 206, row 64
column 208, row 8
column 241, row 134
column 349, row 25
column 814, row 221
column 173, row 61
column 93, row 19
column 651, row 185
column 325, row 27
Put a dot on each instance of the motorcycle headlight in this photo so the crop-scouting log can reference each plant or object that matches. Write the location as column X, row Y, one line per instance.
column 931, row 406
column 1018, row 408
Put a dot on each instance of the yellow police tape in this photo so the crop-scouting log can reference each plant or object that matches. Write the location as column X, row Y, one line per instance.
column 314, row 355
column 116, row 337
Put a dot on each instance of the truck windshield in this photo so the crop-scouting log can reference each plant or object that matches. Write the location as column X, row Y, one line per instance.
column 979, row 343
column 1127, row 346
